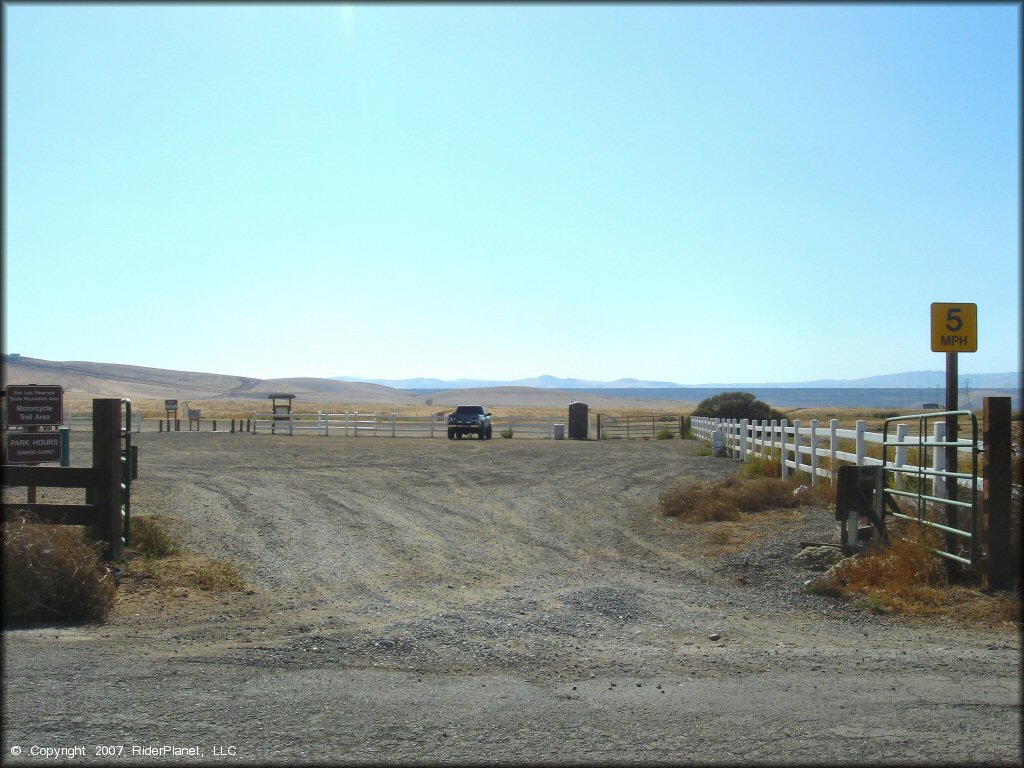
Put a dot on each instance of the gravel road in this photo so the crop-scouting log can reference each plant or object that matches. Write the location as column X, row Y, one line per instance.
column 505, row 601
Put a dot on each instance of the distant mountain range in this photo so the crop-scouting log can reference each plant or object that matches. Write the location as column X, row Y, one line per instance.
column 909, row 379
column 540, row 382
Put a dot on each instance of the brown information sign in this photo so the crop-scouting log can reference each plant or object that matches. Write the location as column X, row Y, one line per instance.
column 32, row 405
column 170, row 405
column 32, row 447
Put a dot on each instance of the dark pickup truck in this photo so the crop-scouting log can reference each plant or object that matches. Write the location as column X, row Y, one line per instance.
column 469, row 420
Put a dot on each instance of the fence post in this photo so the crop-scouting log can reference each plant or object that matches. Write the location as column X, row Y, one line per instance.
column 901, row 454
column 814, row 451
column 833, row 443
column 939, row 459
column 65, row 446
column 355, row 423
column 743, row 439
column 291, row 424
column 858, row 450
column 783, row 425
column 255, row 423
column 797, row 460
column 996, row 495
column 392, row 423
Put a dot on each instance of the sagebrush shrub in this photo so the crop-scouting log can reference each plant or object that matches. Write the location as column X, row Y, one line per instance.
column 150, row 539
column 52, row 575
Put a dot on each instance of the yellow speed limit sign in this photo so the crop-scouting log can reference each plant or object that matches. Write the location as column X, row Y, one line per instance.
column 954, row 327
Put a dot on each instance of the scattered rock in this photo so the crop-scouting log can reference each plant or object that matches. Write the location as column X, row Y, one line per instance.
column 818, row 558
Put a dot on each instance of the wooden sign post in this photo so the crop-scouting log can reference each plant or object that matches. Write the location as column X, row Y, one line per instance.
column 171, row 406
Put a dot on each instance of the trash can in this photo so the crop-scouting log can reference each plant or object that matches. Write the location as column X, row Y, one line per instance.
column 559, row 431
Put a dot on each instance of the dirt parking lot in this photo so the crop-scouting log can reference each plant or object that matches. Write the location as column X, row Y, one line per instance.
column 503, row 601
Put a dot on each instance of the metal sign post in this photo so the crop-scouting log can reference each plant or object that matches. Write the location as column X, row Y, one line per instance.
column 954, row 329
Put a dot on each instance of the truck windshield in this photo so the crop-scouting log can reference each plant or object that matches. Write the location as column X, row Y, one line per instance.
column 470, row 409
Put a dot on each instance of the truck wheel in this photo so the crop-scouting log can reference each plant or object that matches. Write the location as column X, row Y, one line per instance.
column 490, row 432
column 451, row 434
column 482, row 434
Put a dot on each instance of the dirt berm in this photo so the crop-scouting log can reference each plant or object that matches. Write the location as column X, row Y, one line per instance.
column 505, row 601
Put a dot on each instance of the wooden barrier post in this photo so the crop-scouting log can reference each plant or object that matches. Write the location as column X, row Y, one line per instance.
column 996, row 496
column 106, row 462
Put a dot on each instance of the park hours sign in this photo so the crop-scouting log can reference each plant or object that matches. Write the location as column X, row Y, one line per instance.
column 954, row 327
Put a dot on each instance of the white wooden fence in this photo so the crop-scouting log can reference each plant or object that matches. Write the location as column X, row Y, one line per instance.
column 801, row 448
column 353, row 423
column 84, row 423
column 526, row 427
column 358, row 424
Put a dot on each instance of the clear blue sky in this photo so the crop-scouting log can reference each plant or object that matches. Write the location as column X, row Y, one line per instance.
column 691, row 193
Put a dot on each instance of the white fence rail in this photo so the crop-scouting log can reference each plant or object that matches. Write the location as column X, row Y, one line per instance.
column 359, row 424
column 524, row 427
column 84, row 423
column 800, row 448
column 350, row 423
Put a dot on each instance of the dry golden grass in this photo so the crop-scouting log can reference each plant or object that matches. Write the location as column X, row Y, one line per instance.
column 53, row 575
column 244, row 409
column 155, row 562
column 908, row 579
column 731, row 498
column 181, row 572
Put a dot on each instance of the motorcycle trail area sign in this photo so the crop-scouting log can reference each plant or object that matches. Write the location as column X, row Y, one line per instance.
column 33, row 405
